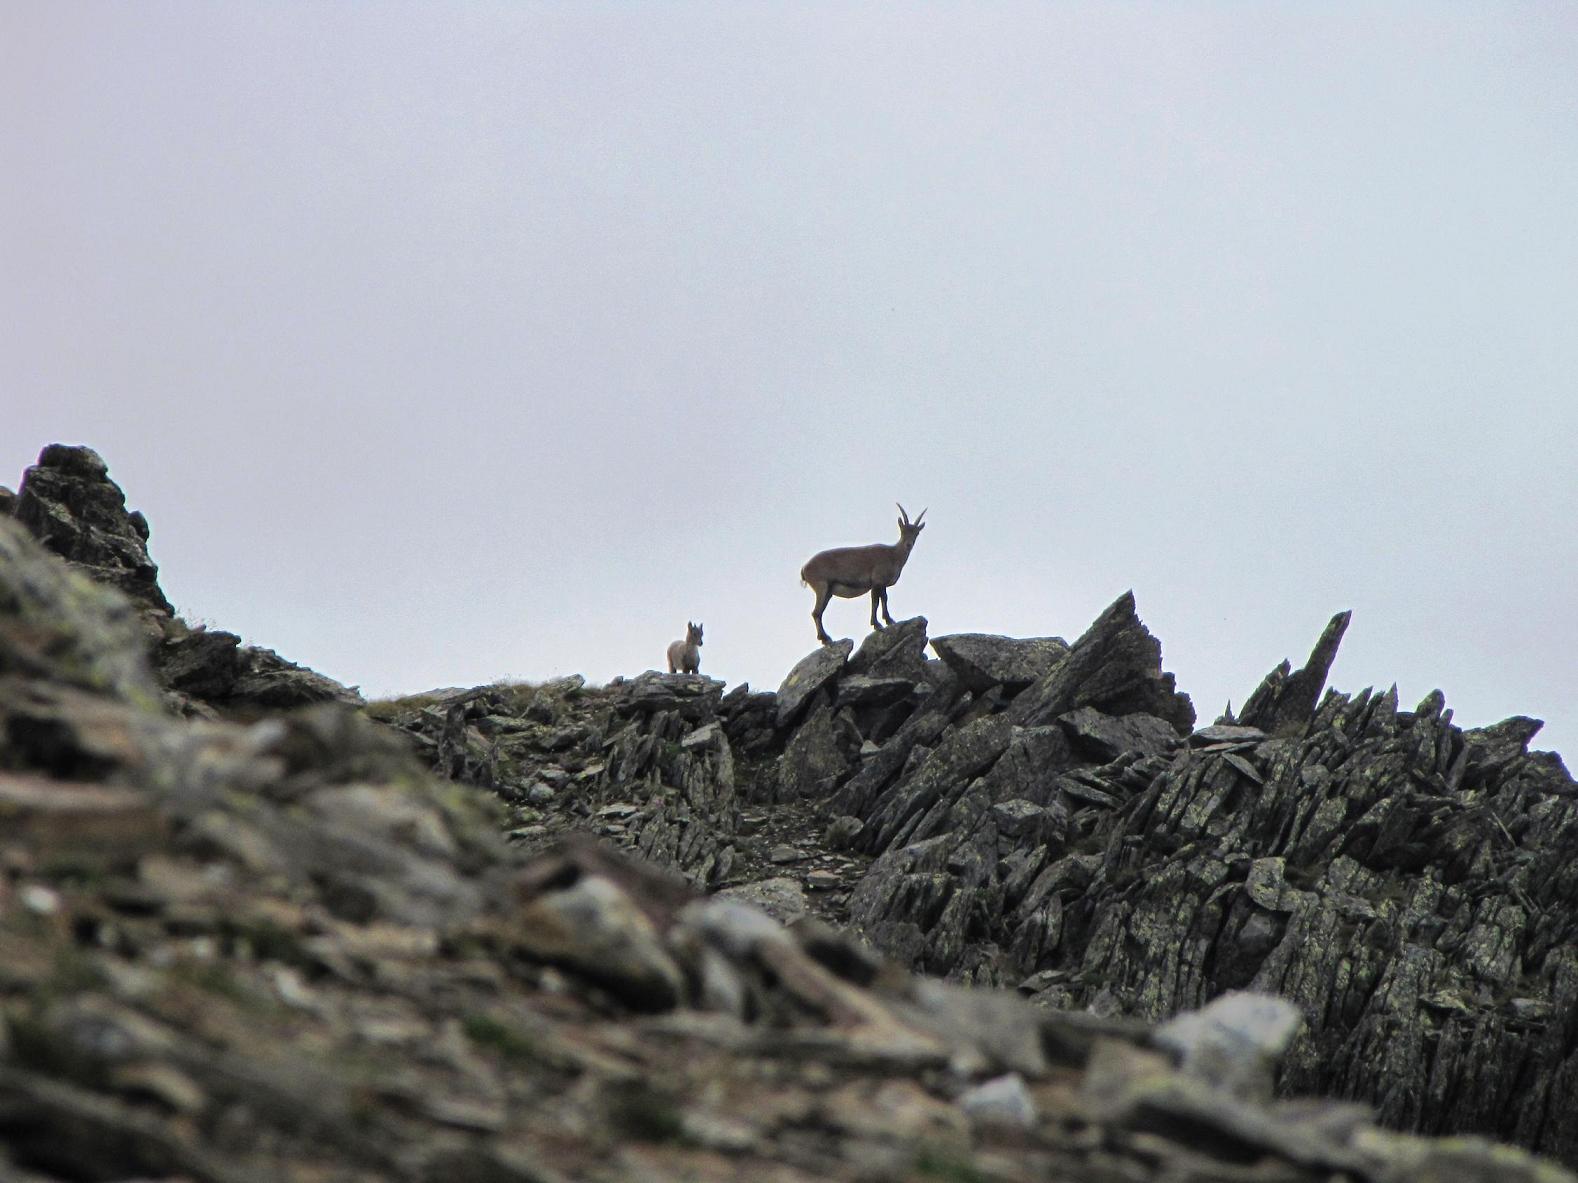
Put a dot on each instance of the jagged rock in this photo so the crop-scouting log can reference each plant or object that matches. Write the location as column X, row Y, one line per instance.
column 943, row 774
column 898, row 651
column 84, row 826
column 7, row 502
column 982, row 660
column 1116, row 667
column 819, row 754
column 284, row 949
column 213, row 667
column 809, row 675
column 70, row 504
column 594, row 928
column 1287, row 700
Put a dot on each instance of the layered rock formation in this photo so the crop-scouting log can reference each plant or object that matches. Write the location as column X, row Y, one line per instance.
column 264, row 944
column 1071, row 834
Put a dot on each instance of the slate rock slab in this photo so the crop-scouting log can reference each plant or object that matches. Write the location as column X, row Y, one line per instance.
column 984, row 660
column 810, row 674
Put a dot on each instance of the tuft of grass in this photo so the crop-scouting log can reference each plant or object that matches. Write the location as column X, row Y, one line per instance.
column 386, row 710
column 510, row 1042
column 949, row 1166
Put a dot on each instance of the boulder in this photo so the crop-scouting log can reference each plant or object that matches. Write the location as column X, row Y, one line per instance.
column 983, row 660
column 898, row 651
column 1106, row 738
column 813, row 671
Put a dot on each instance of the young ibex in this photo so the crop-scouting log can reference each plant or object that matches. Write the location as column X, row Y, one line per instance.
column 850, row 571
column 685, row 656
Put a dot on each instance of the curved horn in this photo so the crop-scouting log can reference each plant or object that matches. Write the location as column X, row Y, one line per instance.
column 903, row 514
column 918, row 520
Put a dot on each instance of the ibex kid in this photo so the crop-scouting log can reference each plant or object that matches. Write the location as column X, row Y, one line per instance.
column 685, row 656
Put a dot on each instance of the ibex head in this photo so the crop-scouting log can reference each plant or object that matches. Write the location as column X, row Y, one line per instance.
column 692, row 633
column 909, row 531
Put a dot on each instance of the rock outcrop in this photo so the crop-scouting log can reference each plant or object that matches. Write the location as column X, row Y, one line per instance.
column 69, row 504
column 1073, row 836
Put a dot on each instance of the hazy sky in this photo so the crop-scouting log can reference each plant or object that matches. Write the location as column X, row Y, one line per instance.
column 445, row 343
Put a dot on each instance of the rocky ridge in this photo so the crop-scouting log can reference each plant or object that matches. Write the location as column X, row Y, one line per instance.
column 261, row 944
column 1072, row 835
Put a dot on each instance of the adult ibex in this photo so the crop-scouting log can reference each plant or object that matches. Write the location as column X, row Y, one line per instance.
column 850, row 571
column 685, row 656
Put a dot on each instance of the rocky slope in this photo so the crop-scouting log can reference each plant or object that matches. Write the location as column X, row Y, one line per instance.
column 240, row 943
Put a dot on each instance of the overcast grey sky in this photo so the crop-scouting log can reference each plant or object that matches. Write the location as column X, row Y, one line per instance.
column 445, row 343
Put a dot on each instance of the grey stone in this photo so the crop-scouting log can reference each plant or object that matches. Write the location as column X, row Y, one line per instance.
column 1018, row 817
column 898, row 652
column 593, row 928
column 1226, row 733
column 539, row 794
column 809, row 675
column 1234, row 1042
column 842, row 832
column 70, row 504
column 1106, row 738
column 1116, row 667
column 1002, row 1101
column 1287, row 700
column 783, row 899
column 983, row 660
column 867, row 691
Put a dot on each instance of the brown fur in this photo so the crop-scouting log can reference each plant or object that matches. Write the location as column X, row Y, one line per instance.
column 850, row 571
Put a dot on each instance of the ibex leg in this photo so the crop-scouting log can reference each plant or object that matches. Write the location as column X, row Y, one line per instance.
column 885, row 614
column 876, row 598
column 824, row 593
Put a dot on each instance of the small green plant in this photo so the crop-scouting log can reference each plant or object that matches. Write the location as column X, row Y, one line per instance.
column 386, row 710
column 510, row 1042
column 948, row 1165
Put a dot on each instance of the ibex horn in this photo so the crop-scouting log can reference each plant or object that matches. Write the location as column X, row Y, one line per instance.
column 903, row 514
column 917, row 521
